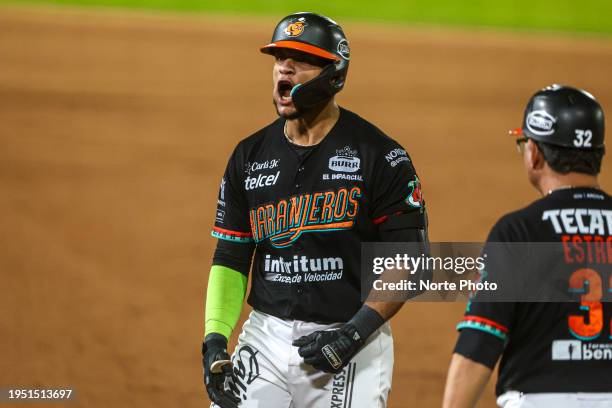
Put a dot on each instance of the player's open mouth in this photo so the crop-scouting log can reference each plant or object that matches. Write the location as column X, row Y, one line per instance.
column 284, row 91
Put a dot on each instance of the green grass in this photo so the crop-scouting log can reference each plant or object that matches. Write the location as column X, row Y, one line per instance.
column 587, row 16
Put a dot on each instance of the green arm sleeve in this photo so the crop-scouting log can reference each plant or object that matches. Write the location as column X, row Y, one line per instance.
column 224, row 297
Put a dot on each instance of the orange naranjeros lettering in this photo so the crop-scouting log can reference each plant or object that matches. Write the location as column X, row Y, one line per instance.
column 270, row 218
column 281, row 216
column 340, row 204
column 261, row 222
column 295, row 210
column 353, row 198
column 327, row 211
column 307, row 201
column 253, row 224
column 590, row 302
column 312, row 217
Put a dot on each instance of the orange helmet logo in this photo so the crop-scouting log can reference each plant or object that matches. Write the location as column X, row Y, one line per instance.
column 296, row 28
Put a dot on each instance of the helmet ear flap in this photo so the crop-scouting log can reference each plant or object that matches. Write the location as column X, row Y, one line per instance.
column 321, row 88
column 339, row 77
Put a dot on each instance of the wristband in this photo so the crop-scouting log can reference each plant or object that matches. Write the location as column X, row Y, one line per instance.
column 214, row 340
column 366, row 321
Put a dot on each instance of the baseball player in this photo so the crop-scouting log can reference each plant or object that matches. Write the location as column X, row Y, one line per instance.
column 552, row 354
column 302, row 194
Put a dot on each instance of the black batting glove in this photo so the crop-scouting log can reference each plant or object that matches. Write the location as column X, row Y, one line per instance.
column 330, row 350
column 218, row 371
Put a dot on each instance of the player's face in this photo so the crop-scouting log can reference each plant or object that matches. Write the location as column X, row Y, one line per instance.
column 292, row 67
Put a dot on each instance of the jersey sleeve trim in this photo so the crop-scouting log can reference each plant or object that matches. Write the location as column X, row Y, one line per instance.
column 234, row 236
column 485, row 325
column 380, row 219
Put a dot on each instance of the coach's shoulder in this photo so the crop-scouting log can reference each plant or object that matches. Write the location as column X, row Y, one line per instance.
column 514, row 226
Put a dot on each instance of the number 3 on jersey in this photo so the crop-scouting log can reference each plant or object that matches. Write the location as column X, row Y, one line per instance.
column 588, row 282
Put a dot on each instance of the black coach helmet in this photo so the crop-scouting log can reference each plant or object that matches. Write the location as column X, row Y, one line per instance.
column 316, row 35
column 564, row 116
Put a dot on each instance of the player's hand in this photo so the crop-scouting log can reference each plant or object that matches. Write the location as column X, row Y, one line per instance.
column 330, row 350
column 218, row 371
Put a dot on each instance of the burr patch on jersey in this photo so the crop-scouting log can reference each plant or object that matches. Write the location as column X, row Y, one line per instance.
column 540, row 123
column 284, row 221
column 295, row 28
column 345, row 161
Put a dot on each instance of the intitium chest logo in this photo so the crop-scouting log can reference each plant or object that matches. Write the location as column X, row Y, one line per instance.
column 540, row 123
column 295, row 28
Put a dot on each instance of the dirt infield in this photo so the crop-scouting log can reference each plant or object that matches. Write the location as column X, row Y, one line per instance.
column 114, row 133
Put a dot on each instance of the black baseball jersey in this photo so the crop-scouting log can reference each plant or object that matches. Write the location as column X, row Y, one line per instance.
column 308, row 210
column 556, row 347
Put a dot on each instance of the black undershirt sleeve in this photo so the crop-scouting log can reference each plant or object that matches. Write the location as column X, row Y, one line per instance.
column 480, row 347
column 409, row 227
column 234, row 255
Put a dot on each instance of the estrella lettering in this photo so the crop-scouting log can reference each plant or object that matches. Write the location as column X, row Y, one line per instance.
column 286, row 220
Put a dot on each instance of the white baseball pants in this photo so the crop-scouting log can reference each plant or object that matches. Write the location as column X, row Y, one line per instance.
column 514, row 399
column 270, row 373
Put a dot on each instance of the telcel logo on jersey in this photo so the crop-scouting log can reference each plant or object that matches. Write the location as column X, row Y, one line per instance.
column 262, row 180
column 346, row 160
column 285, row 221
column 541, row 123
